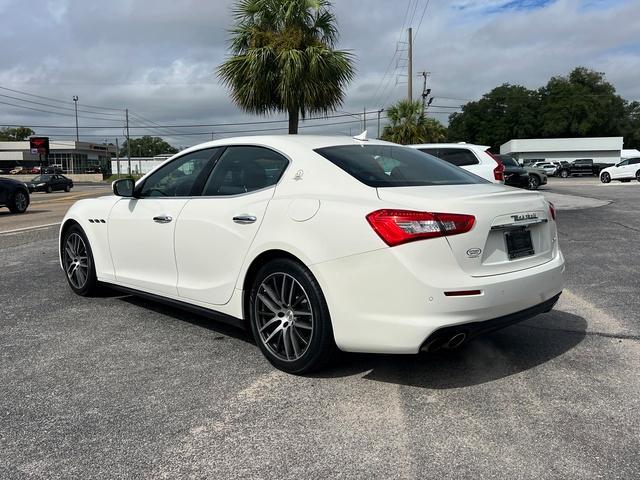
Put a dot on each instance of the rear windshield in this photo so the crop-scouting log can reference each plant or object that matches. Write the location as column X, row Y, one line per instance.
column 395, row 166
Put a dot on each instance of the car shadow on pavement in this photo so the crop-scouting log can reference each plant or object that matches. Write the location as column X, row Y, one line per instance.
column 184, row 316
column 485, row 359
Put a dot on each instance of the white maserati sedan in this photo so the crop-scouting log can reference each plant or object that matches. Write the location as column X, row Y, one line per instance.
column 319, row 244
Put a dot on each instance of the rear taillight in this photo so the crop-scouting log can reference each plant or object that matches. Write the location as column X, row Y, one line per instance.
column 498, row 172
column 552, row 210
column 401, row 226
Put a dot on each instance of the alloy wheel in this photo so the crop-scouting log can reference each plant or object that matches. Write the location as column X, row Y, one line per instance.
column 533, row 183
column 284, row 316
column 605, row 178
column 20, row 202
column 76, row 262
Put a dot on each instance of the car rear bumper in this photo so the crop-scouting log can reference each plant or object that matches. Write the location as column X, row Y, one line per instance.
column 380, row 303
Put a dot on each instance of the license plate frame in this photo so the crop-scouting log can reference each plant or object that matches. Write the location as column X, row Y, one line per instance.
column 519, row 243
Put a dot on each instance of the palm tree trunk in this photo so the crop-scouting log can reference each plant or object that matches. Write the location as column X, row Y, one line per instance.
column 294, row 117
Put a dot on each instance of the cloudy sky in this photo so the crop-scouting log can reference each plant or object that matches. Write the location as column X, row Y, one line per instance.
column 159, row 57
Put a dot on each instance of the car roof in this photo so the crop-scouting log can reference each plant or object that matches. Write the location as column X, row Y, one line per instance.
column 471, row 146
column 283, row 141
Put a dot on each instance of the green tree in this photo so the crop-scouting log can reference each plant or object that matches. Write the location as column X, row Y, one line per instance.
column 283, row 59
column 506, row 112
column 631, row 127
column 15, row 134
column 581, row 104
column 147, row 146
column 407, row 125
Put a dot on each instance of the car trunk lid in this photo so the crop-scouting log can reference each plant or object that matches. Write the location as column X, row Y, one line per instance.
column 505, row 220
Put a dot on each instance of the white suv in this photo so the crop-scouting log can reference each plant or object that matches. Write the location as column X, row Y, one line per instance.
column 474, row 158
column 624, row 171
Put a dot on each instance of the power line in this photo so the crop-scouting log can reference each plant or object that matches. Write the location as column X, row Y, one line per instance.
column 55, row 106
column 50, row 112
column 426, row 5
column 56, row 100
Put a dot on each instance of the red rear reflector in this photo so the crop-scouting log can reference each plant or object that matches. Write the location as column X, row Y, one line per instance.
column 462, row 293
column 552, row 210
column 401, row 226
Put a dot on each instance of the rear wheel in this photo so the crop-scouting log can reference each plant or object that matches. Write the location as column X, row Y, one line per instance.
column 534, row 182
column 638, row 175
column 564, row 173
column 289, row 318
column 20, row 202
column 605, row 177
column 77, row 260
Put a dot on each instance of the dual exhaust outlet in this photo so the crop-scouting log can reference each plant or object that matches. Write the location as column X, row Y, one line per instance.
column 447, row 342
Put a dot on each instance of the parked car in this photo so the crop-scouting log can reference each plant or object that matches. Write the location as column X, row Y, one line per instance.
column 322, row 243
column 625, row 171
column 52, row 169
column 524, row 177
column 549, row 168
column 16, row 170
column 14, row 195
column 49, row 183
column 582, row 166
column 475, row 158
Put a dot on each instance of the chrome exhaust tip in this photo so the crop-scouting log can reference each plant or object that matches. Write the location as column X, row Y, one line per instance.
column 455, row 341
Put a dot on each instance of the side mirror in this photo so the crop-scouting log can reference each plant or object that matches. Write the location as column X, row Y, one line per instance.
column 123, row 187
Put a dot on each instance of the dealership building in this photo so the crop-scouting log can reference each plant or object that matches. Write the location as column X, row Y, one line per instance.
column 600, row 149
column 71, row 156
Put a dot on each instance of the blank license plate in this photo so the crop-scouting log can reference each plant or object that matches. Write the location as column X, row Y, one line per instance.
column 519, row 244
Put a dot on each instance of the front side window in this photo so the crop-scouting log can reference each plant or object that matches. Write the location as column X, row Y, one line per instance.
column 243, row 169
column 178, row 178
column 394, row 166
column 623, row 163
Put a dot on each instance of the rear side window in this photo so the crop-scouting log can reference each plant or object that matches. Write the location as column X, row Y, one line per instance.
column 460, row 157
column 634, row 161
column 393, row 166
column 243, row 169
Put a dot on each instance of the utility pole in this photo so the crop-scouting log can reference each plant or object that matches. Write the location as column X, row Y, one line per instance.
column 126, row 112
column 425, row 92
column 410, row 66
column 117, row 158
column 75, row 103
column 379, row 112
column 364, row 119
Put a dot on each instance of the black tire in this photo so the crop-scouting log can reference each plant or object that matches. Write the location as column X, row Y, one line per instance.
column 48, row 189
column 19, row 202
column 605, row 178
column 320, row 348
column 90, row 285
column 67, row 188
column 638, row 175
column 564, row 173
column 534, row 182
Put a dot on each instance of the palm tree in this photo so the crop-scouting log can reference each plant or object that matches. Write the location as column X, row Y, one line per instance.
column 283, row 59
column 408, row 125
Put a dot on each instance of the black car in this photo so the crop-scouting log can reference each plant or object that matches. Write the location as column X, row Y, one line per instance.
column 48, row 183
column 514, row 174
column 14, row 195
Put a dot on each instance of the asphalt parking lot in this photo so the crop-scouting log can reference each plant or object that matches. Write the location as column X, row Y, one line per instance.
column 119, row 387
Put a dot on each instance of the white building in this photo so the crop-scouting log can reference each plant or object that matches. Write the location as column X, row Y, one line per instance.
column 630, row 153
column 139, row 165
column 71, row 156
column 600, row 149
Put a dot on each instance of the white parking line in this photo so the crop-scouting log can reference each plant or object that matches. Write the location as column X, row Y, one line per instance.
column 26, row 229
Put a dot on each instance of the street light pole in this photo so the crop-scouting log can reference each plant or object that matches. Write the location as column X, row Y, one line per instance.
column 75, row 103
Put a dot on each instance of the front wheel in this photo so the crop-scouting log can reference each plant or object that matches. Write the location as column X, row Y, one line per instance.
column 48, row 189
column 534, row 182
column 67, row 188
column 605, row 178
column 20, row 202
column 77, row 260
column 290, row 319
column 564, row 174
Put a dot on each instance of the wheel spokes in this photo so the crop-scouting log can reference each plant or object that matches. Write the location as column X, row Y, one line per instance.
column 284, row 316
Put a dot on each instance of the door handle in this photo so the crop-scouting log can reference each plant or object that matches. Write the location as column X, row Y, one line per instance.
column 244, row 219
column 162, row 219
